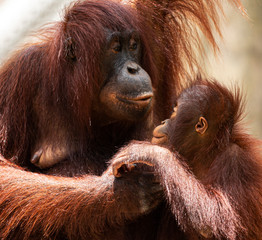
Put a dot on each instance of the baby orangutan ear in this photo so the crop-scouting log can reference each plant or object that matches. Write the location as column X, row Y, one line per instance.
column 201, row 126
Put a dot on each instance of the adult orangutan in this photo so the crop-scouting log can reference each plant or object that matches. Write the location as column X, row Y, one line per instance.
column 213, row 181
column 99, row 78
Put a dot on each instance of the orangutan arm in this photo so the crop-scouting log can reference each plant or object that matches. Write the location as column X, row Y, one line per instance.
column 197, row 207
column 34, row 203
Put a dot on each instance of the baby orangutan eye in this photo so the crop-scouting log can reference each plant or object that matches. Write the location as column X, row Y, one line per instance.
column 174, row 112
column 164, row 122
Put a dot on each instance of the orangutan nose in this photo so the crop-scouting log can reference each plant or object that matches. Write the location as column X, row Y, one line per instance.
column 133, row 68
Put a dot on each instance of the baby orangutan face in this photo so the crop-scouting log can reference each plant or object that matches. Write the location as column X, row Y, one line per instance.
column 184, row 125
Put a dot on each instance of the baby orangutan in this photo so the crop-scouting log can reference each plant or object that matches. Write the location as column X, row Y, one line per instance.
column 187, row 131
column 209, row 168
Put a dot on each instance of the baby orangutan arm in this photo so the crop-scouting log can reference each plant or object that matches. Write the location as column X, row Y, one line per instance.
column 197, row 207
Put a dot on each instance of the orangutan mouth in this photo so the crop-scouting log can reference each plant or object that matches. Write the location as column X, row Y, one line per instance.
column 142, row 100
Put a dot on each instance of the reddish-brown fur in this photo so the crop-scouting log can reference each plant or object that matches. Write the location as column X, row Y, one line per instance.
column 215, row 188
column 42, row 90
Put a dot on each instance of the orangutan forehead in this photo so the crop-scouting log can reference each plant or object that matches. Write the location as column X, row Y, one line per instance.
column 126, row 34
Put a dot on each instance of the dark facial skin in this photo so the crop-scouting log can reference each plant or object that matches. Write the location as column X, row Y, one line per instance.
column 178, row 130
column 160, row 133
column 126, row 93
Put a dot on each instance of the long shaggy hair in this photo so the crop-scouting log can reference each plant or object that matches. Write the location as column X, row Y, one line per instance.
column 63, row 69
column 54, row 82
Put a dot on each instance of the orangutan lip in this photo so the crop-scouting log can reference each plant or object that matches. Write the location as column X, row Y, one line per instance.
column 159, row 140
column 141, row 100
column 158, row 135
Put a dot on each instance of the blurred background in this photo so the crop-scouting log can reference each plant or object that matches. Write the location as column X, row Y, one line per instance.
column 240, row 59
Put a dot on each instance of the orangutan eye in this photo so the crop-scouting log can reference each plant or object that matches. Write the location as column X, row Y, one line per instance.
column 174, row 112
column 133, row 44
column 164, row 122
column 133, row 47
column 116, row 47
